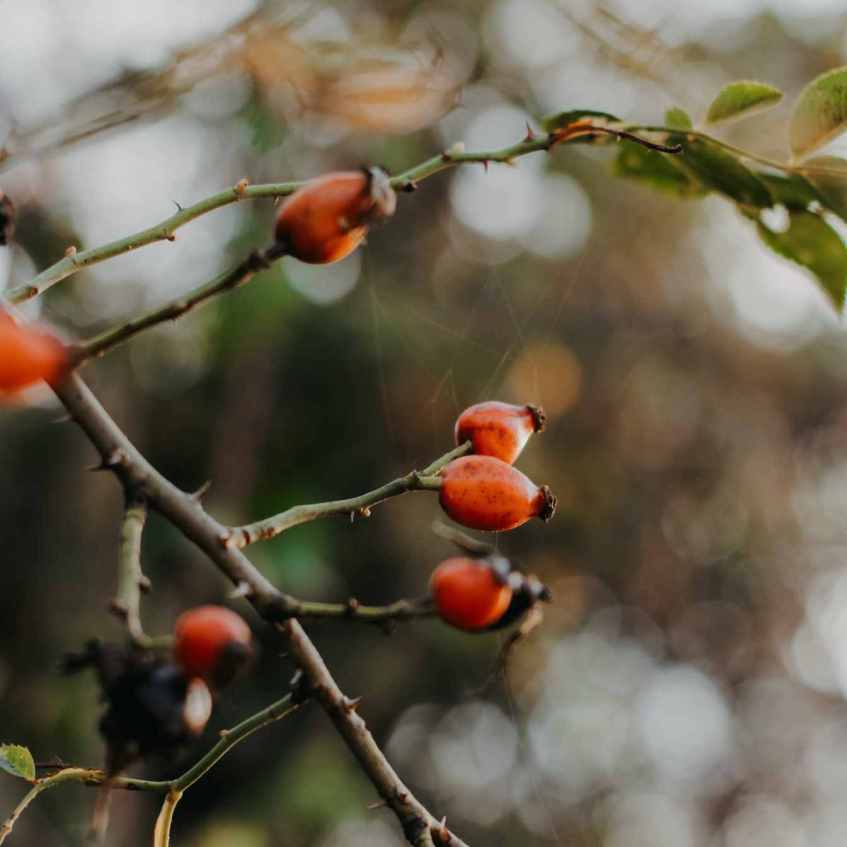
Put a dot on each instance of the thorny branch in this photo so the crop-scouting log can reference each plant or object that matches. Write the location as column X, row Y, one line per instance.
column 184, row 511
column 131, row 579
column 405, row 181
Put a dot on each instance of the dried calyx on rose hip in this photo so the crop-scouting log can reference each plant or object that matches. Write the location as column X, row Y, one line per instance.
column 328, row 218
column 28, row 354
column 527, row 591
column 152, row 706
column 213, row 643
column 499, row 429
column 485, row 493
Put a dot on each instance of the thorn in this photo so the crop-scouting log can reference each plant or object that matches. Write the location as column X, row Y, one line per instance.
column 351, row 705
column 144, row 584
column 240, row 187
column 352, row 605
column 178, row 207
column 62, row 419
column 443, row 832
column 365, row 512
column 198, row 495
column 227, row 540
column 485, row 164
column 117, row 608
column 70, row 253
column 242, row 589
column 224, row 733
column 170, row 237
column 377, row 804
column 530, row 135
column 409, row 186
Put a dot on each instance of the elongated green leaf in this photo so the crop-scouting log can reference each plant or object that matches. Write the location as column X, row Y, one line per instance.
column 17, row 761
column 742, row 98
column 811, row 242
column 829, row 176
column 636, row 162
column 559, row 120
column 677, row 118
column 720, row 171
column 820, row 113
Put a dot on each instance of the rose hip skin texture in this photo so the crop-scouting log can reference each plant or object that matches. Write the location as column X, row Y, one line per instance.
column 28, row 354
column 468, row 593
column 211, row 642
column 328, row 218
column 498, row 429
column 485, row 493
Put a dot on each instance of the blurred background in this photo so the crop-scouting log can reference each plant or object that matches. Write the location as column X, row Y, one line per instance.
column 687, row 685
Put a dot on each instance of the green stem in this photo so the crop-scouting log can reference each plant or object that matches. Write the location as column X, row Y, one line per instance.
column 426, row 479
column 40, row 785
column 239, row 275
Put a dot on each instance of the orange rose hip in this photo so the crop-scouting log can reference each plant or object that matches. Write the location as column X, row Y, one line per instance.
column 482, row 492
column 328, row 218
column 469, row 593
column 28, row 354
column 499, row 429
column 211, row 642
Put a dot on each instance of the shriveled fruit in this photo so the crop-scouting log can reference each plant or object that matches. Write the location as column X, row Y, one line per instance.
column 211, row 642
column 498, row 429
column 469, row 593
column 328, row 218
column 482, row 492
column 28, row 354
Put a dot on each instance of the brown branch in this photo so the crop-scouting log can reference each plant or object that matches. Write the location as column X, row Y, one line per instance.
column 136, row 474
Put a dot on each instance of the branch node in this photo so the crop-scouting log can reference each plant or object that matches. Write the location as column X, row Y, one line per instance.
column 352, row 606
column 240, row 187
column 70, row 253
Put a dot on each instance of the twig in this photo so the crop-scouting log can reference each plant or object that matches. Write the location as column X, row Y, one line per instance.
column 186, row 514
column 38, row 786
column 426, row 479
column 162, row 833
column 242, row 273
column 164, row 231
column 131, row 580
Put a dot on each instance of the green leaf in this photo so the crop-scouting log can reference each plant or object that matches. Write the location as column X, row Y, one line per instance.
column 637, row 162
column 828, row 174
column 560, row 120
column 742, row 98
column 677, row 118
column 820, row 113
column 811, row 242
column 791, row 190
column 720, row 171
column 17, row 761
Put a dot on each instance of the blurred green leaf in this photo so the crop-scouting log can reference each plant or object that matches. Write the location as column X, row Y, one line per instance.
column 17, row 761
column 559, row 120
column 831, row 185
column 637, row 162
column 720, row 171
column 677, row 118
column 811, row 242
column 742, row 98
column 820, row 113
column 792, row 190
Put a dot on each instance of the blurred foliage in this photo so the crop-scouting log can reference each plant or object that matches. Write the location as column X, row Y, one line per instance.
column 687, row 683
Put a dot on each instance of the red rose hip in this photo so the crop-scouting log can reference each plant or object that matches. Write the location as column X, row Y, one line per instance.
column 28, row 354
column 499, row 429
column 469, row 593
column 211, row 642
column 485, row 493
column 328, row 217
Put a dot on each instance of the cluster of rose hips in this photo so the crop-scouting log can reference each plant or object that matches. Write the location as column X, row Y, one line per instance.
column 483, row 491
